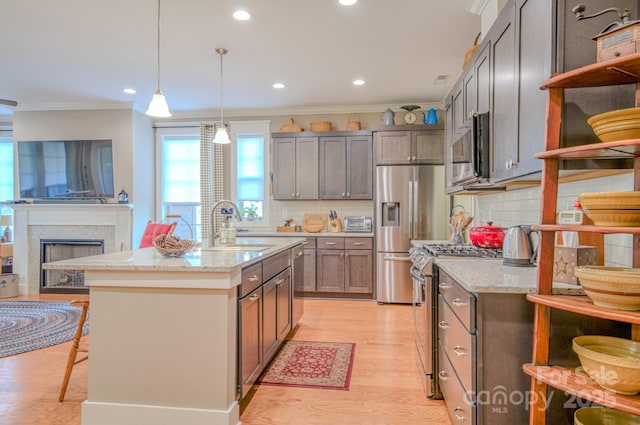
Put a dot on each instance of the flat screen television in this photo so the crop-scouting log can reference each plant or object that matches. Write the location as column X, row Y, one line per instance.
column 65, row 169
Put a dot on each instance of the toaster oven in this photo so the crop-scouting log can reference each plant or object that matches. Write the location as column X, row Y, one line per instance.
column 357, row 224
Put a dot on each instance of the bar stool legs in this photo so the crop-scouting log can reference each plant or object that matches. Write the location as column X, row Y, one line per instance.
column 75, row 347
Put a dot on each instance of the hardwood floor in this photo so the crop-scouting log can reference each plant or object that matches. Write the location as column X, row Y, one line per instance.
column 385, row 386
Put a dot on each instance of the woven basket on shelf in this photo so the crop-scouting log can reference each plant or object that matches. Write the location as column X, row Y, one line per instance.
column 469, row 53
column 353, row 122
column 320, row 126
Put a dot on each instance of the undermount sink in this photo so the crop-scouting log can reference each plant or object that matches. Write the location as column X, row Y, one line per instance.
column 240, row 247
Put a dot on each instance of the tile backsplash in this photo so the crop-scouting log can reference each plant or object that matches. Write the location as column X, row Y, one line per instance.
column 523, row 207
column 297, row 209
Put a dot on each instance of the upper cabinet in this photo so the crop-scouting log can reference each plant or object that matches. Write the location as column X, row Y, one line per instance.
column 529, row 41
column 346, row 167
column 322, row 165
column 409, row 145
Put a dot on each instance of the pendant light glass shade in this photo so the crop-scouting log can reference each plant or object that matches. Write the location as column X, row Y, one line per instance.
column 158, row 106
column 222, row 137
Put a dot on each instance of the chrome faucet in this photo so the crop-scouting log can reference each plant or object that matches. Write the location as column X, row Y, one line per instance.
column 212, row 238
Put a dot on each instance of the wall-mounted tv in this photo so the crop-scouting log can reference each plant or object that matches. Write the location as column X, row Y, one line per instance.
column 65, row 169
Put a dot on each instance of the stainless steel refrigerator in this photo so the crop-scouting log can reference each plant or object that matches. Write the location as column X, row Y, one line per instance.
column 410, row 205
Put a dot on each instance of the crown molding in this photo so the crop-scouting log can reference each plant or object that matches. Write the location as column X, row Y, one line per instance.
column 477, row 6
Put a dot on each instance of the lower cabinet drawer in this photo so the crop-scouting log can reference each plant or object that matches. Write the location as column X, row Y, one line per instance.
column 460, row 407
column 457, row 343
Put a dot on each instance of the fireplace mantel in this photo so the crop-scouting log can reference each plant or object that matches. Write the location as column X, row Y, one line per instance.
column 32, row 222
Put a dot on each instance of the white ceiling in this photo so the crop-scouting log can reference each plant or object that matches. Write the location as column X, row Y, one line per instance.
column 81, row 54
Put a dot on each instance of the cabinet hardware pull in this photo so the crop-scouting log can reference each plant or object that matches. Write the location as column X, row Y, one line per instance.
column 459, row 351
column 305, row 243
column 253, row 278
column 299, row 254
column 443, row 325
column 279, row 282
column 341, row 254
column 443, row 375
column 343, row 194
column 460, row 418
column 293, row 195
column 297, row 195
column 330, row 243
column 348, row 195
column 358, row 243
column 458, row 302
column 254, row 297
column 408, row 158
column 443, row 285
column 413, row 158
column 346, row 254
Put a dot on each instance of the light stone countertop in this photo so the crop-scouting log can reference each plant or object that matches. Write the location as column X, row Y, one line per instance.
column 268, row 233
column 198, row 260
column 489, row 275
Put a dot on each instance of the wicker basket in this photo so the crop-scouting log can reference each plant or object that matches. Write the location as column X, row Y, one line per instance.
column 320, row 126
column 353, row 122
column 291, row 127
column 469, row 54
column 172, row 246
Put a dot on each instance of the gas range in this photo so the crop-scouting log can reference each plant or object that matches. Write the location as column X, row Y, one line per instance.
column 422, row 254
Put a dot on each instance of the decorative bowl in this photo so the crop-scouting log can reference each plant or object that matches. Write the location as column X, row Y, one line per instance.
column 615, row 125
column 610, row 200
column 604, row 416
column 172, row 246
column 617, row 288
column 613, row 363
column 614, row 218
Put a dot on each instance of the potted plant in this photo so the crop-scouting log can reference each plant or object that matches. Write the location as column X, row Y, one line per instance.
column 250, row 212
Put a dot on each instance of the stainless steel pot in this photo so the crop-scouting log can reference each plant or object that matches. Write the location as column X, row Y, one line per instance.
column 518, row 248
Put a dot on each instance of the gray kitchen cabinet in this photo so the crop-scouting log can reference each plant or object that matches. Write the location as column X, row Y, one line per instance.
column 346, row 167
column 408, row 145
column 345, row 265
column 295, row 168
column 309, row 265
column 276, row 312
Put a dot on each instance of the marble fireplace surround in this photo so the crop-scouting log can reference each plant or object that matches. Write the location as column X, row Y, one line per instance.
column 33, row 222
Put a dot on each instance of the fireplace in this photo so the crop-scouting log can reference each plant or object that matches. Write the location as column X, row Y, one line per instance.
column 66, row 281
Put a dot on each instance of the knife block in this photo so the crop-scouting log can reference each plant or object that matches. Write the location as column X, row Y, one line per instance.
column 335, row 226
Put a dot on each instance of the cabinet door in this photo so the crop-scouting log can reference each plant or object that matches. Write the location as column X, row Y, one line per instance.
column 482, row 69
column 309, row 270
column 283, row 311
column 428, row 146
column 359, row 167
column 306, row 165
column 333, row 168
column 330, row 263
column 284, row 170
column 469, row 97
column 457, row 112
column 251, row 360
column 358, row 271
column 393, row 147
column 269, row 319
column 504, row 119
column 535, row 66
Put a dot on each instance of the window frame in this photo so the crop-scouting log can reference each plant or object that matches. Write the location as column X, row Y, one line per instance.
column 6, row 136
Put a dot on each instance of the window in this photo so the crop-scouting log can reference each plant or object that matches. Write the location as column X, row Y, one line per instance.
column 179, row 180
column 6, row 172
column 249, row 186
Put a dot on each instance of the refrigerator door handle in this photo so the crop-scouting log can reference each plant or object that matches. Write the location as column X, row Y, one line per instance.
column 391, row 258
column 414, row 212
column 411, row 217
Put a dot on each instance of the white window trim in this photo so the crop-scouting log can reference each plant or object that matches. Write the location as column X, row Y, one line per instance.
column 262, row 128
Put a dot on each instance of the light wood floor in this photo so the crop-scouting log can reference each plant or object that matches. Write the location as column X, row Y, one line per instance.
column 385, row 385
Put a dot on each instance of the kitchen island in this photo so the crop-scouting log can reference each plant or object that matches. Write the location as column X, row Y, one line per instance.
column 163, row 345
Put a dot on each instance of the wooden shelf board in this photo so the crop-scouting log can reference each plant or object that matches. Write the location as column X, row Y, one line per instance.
column 579, row 384
column 581, row 304
column 585, row 228
column 607, row 150
column 621, row 70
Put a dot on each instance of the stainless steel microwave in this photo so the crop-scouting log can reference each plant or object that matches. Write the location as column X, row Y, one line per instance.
column 470, row 153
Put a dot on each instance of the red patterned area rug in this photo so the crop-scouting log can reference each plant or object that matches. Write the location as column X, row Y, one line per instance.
column 312, row 365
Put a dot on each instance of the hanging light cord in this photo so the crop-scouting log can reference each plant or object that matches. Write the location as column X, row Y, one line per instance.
column 158, row 56
column 221, row 51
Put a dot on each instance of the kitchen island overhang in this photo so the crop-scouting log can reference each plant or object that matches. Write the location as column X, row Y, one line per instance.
column 163, row 344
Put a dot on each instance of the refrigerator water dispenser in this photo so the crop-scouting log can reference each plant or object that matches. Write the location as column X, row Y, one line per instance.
column 390, row 214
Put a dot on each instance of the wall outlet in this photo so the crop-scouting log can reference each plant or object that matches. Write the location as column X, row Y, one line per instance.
column 284, row 214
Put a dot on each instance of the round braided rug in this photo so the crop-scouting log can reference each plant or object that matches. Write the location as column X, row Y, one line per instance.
column 30, row 325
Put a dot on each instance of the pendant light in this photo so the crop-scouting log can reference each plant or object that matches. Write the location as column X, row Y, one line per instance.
column 222, row 137
column 158, row 106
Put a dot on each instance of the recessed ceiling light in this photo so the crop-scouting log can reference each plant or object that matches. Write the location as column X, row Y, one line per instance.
column 347, row 2
column 242, row 15
column 129, row 91
column 278, row 86
column 358, row 82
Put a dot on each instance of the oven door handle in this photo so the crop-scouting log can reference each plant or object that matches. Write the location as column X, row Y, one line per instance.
column 416, row 275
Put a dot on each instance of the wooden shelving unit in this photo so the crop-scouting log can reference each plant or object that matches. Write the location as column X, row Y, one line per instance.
column 623, row 70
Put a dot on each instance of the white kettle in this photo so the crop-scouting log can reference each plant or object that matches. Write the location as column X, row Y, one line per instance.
column 518, row 248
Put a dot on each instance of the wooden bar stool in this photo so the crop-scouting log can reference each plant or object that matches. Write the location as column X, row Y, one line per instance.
column 75, row 347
